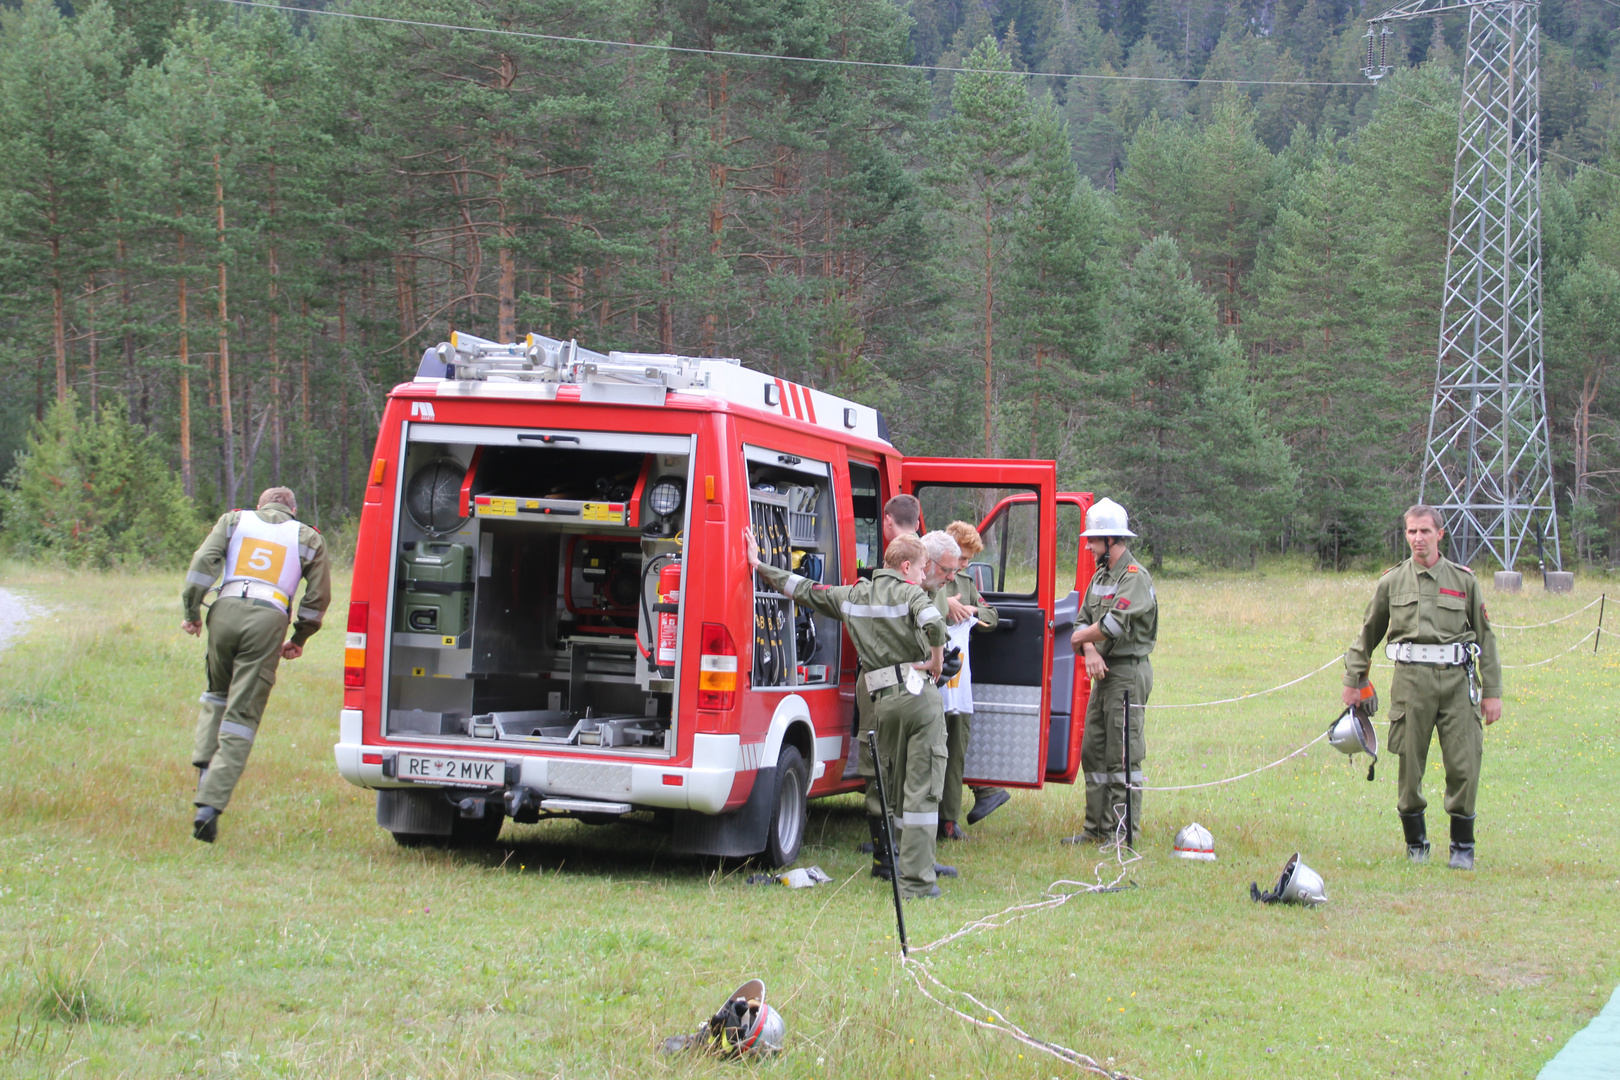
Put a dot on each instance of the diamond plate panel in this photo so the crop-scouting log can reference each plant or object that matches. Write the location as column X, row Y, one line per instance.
column 1005, row 746
column 588, row 778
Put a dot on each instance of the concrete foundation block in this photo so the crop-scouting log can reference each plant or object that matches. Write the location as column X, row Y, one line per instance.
column 1560, row 581
column 1509, row 581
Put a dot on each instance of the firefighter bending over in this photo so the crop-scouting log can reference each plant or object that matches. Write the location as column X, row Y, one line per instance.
column 263, row 554
column 1117, row 629
column 900, row 639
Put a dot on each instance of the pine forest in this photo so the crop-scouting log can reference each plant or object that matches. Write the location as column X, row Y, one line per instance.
column 1183, row 247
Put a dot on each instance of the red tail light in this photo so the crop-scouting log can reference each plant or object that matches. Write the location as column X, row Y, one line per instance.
column 717, row 669
column 354, row 646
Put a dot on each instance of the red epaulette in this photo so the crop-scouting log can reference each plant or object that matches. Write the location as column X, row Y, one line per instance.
column 1464, row 567
column 1132, row 568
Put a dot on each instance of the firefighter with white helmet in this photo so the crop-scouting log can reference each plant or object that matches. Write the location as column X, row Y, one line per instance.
column 262, row 554
column 1116, row 630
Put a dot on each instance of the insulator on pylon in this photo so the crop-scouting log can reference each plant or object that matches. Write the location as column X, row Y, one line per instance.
column 1369, row 50
column 1383, row 50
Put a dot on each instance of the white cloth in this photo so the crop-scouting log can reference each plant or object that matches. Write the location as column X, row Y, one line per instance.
column 957, row 693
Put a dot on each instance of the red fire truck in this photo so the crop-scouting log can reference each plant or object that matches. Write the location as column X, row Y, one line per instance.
column 552, row 615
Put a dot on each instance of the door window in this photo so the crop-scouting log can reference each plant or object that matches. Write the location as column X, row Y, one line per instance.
column 1009, row 524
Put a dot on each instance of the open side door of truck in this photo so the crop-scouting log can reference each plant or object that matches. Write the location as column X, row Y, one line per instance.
column 1010, row 666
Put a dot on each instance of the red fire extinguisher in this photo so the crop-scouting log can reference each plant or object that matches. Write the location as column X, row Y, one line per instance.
column 669, row 607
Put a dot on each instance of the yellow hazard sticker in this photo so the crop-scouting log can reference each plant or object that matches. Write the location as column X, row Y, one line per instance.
column 602, row 512
column 448, row 640
column 418, row 671
column 498, row 508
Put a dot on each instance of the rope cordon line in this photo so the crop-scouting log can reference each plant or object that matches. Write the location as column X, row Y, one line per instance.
column 915, row 964
column 1549, row 622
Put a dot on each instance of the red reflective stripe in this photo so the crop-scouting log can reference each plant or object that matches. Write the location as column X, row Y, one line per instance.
column 782, row 397
column 798, row 406
column 1454, row 592
column 809, row 406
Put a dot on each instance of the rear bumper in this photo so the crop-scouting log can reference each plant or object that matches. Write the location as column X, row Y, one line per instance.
column 704, row 786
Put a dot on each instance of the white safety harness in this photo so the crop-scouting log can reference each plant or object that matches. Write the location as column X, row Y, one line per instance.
column 263, row 561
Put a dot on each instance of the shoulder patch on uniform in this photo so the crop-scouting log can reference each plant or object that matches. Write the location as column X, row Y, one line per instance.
column 1391, row 570
column 1464, row 567
column 1132, row 568
column 1121, row 604
column 1458, row 593
column 818, row 587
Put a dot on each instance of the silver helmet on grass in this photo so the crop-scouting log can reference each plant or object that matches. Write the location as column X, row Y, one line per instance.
column 1195, row 842
column 1299, row 884
column 1107, row 518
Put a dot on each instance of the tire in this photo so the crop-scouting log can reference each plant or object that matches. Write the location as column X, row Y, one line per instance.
column 789, row 809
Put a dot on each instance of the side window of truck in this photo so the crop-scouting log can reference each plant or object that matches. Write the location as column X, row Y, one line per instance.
column 791, row 507
column 868, row 501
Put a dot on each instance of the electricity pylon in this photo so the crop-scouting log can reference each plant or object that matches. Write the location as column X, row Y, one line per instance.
column 1488, row 461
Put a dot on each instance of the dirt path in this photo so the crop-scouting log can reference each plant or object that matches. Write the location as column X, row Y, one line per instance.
column 15, row 613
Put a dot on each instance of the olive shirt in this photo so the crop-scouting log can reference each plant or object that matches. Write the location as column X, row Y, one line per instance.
column 1121, row 600
column 961, row 586
column 890, row 620
column 209, row 562
column 1437, row 605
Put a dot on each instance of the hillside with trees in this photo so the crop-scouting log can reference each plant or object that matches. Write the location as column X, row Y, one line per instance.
column 1181, row 246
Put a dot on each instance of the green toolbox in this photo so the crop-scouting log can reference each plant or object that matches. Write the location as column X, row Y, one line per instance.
column 435, row 589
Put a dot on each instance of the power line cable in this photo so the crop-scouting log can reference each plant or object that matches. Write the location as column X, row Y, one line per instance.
column 739, row 55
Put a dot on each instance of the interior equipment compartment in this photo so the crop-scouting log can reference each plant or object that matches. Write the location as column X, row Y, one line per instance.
column 526, row 583
column 791, row 509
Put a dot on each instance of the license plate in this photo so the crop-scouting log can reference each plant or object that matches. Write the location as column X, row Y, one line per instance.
column 436, row 769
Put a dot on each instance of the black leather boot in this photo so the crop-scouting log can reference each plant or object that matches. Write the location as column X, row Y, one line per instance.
column 1462, row 843
column 205, row 826
column 1417, row 837
column 880, row 850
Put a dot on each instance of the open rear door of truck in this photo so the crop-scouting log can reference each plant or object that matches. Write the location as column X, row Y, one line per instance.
column 1011, row 665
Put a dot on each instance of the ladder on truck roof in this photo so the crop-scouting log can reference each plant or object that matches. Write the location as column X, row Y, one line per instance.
column 547, row 360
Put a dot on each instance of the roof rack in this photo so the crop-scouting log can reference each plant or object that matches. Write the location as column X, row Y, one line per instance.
column 547, row 360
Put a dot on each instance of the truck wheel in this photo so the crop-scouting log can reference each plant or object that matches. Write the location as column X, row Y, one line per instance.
column 789, row 810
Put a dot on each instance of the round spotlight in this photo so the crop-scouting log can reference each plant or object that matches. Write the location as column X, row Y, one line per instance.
column 665, row 498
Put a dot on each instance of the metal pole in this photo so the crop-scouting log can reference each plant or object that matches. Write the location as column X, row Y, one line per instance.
column 888, row 838
column 1125, row 764
column 1602, row 601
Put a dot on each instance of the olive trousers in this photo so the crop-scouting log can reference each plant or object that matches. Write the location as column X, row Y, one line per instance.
column 1426, row 701
column 244, row 650
column 1102, row 747
column 911, row 748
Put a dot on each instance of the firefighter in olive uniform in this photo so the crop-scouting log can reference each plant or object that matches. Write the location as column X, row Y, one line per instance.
column 902, row 515
column 965, row 612
column 899, row 638
column 1117, row 628
column 1448, row 677
column 262, row 554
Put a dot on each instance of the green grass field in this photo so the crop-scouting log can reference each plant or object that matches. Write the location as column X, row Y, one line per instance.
column 305, row 943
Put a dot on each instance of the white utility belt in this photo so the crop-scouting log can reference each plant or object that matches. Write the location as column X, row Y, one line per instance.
column 1410, row 652
column 255, row 590
column 894, row 675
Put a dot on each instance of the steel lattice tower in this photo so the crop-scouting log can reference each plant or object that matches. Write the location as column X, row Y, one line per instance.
column 1488, row 461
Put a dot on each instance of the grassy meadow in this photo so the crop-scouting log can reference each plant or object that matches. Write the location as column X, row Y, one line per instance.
column 307, row 944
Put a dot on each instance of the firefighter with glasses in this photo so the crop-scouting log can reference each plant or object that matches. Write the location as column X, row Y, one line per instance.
column 1448, row 677
column 262, row 555
column 1116, row 630
column 899, row 637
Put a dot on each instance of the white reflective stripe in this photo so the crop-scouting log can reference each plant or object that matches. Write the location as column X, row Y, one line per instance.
column 194, row 577
column 211, row 698
column 353, row 640
column 1096, row 777
column 1119, row 777
column 716, row 662
column 1111, row 624
column 794, row 581
column 305, row 552
column 909, row 820
column 929, row 614
column 876, row 611
column 309, row 614
column 241, row 731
